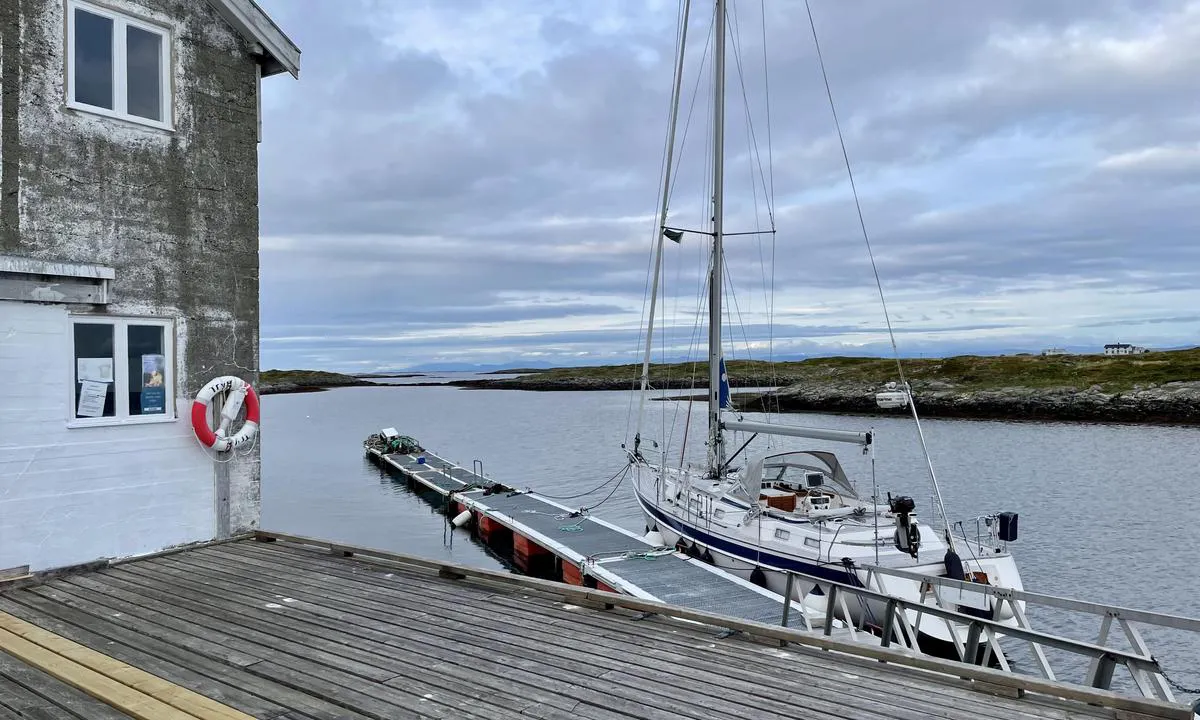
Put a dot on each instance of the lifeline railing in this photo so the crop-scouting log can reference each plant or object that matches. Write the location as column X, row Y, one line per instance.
column 890, row 615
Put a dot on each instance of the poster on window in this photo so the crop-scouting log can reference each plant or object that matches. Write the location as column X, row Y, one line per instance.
column 95, row 369
column 91, row 398
column 154, row 391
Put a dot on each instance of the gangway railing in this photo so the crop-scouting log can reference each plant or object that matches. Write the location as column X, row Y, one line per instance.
column 977, row 638
column 947, row 592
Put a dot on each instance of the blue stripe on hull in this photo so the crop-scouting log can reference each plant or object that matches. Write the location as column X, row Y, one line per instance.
column 771, row 561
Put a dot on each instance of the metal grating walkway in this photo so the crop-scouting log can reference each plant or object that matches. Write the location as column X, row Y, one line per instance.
column 609, row 553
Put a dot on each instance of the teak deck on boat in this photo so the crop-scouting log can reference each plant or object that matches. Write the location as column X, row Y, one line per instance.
column 599, row 546
column 289, row 630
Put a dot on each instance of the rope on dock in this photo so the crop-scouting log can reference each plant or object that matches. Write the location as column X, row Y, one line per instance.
column 646, row 554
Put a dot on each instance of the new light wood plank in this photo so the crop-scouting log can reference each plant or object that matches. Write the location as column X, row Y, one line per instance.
column 18, row 701
column 129, row 701
column 166, row 692
column 177, row 667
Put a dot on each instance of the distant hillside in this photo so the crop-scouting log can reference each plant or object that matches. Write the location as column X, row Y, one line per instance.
column 274, row 382
column 1160, row 386
column 1155, row 387
column 965, row 372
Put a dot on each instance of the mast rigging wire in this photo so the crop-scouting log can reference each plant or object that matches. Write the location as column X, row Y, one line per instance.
column 878, row 283
column 663, row 173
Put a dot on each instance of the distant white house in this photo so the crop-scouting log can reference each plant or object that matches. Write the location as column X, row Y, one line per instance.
column 1124, row 349
column 1055, row 351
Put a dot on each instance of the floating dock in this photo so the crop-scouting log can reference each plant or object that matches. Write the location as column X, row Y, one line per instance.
column 286, row 628
column 548, row 540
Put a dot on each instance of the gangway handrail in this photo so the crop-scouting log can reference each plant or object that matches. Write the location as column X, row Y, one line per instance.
column 1178, row 622
column 1081, row 647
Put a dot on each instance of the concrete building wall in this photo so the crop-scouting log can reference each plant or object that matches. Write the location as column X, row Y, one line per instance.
column 174, row 213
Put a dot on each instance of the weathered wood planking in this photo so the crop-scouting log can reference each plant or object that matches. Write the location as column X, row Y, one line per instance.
column 282, row 630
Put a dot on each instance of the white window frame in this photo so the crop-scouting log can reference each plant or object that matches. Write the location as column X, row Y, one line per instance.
column 120, row 326
column 120, row 74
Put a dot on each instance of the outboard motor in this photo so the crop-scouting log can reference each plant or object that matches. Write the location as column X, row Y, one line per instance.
column 908, row 535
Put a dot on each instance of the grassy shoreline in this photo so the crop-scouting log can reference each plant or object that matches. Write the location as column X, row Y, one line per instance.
column 1154, row 387
column 966, row 373
column 278, row 382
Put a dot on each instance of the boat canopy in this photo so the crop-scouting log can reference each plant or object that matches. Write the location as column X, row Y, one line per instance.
column 794, row 467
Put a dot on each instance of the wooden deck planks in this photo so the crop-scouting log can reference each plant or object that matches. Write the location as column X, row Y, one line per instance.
column 603, row 623
column 198, row 561
column 388, row 598
column 294, row 664
column 281, row 631
column 510, row 674
column 487, row 633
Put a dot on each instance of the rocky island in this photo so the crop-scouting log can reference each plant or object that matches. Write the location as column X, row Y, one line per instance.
column 1154, row 387
column 275, row 382
column 1159, row 387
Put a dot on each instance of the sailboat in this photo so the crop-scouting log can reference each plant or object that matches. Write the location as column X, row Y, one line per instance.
column 762, row 515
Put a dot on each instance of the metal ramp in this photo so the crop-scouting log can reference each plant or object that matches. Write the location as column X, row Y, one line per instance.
column 599, row 549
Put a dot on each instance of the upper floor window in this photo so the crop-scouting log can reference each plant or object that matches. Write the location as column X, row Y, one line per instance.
column 118, row 66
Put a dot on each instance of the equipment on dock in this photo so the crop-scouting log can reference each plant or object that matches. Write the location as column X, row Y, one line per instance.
column 240, row 393
column 389, row 441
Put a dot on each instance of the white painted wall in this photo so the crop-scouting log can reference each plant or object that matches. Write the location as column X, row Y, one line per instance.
column 75, row 495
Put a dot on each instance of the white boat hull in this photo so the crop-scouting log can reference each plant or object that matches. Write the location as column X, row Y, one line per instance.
column 744, row 561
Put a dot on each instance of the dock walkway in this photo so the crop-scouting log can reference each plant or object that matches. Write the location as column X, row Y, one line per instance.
column 590, row 547
column 297, row 629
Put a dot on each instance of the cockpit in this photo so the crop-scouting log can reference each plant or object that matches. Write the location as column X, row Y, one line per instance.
column 800, row 482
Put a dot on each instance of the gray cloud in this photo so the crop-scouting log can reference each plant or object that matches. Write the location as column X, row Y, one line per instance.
column 1026, row 169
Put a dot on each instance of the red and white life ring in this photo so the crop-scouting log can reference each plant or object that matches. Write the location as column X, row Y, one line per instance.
column 240, row 393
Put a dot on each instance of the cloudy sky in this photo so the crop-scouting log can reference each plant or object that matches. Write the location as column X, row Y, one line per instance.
column 476, row 181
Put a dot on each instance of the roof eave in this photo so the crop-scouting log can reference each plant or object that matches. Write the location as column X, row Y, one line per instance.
column 279, row 53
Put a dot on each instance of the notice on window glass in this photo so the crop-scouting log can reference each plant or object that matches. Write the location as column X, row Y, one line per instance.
column 95, row 369
column 91, row 399
column 154, row 390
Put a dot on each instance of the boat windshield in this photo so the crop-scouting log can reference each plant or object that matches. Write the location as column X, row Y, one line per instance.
column 807, row 470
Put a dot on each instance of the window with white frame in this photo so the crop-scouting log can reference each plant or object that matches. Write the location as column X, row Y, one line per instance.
column 123, row 370
column 117, row 65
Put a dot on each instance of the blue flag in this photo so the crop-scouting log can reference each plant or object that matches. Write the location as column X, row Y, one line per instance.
column 723, row 396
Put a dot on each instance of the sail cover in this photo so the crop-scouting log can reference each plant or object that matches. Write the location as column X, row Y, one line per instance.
column 751, row 477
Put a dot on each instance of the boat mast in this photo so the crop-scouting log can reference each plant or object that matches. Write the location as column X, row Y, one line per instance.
column 716, row 440
column 662, row 220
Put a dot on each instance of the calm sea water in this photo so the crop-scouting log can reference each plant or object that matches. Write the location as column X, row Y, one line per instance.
column 1109, row 513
